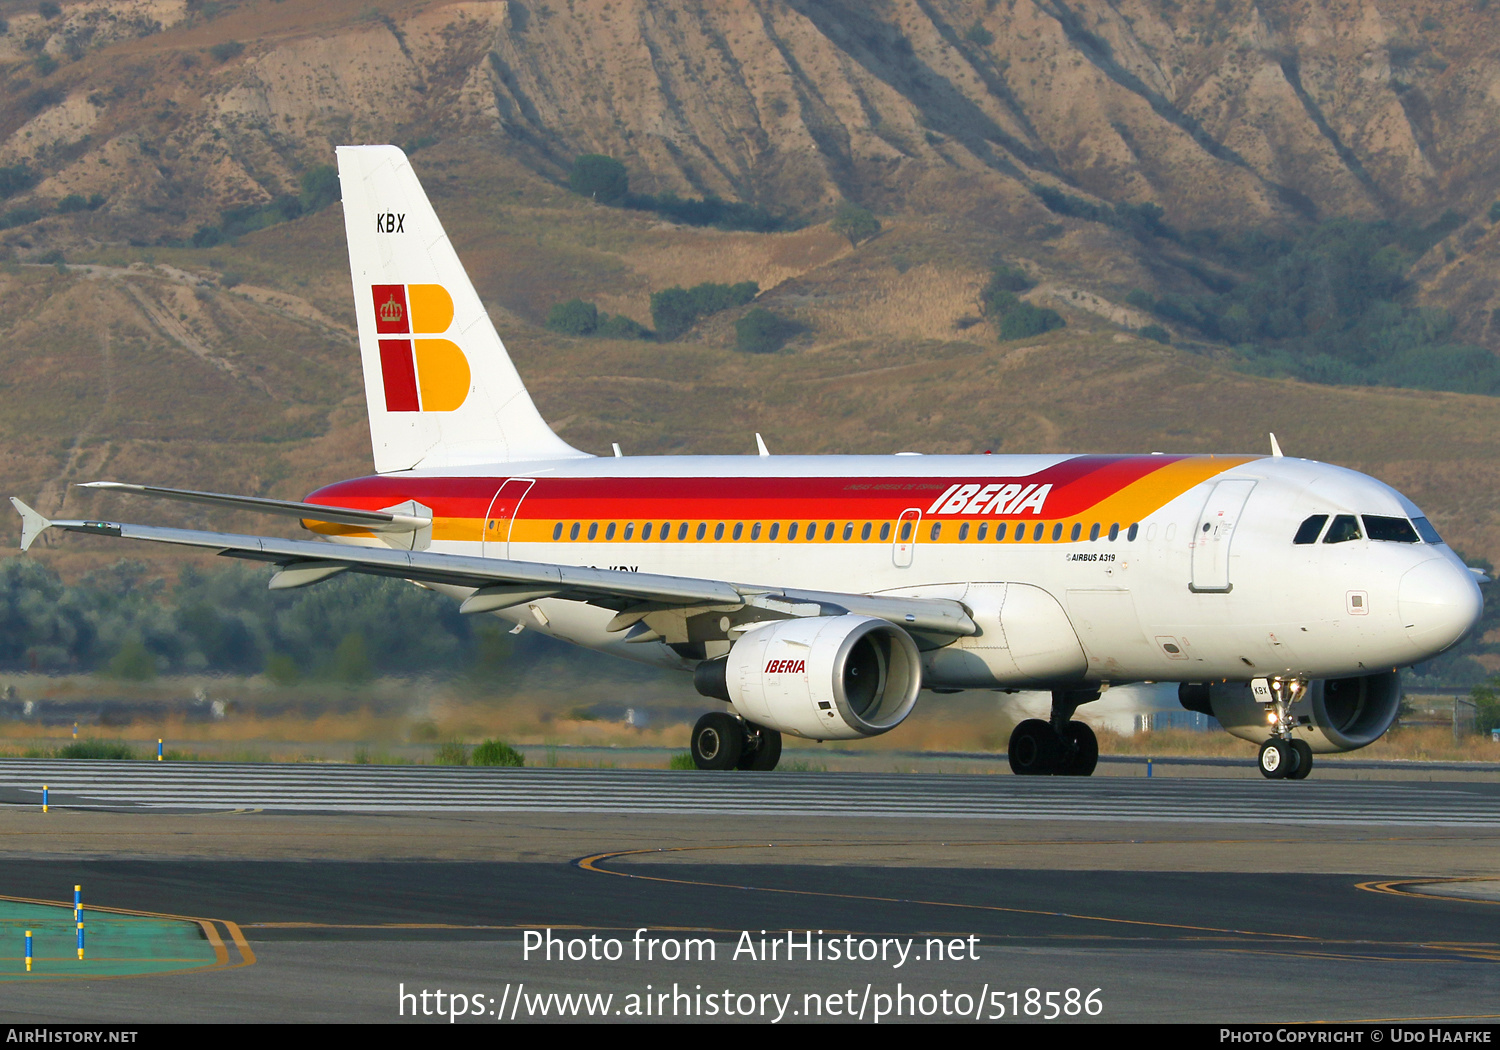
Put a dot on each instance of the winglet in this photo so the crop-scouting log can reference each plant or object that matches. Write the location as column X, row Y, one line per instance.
column 1275, row 447
column 760, row 445
column 32, row 523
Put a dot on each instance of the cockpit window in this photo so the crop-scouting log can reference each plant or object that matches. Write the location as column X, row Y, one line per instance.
column 1345, row 527
column 1394, row 530
column 1310, row 529
column 1426, row 531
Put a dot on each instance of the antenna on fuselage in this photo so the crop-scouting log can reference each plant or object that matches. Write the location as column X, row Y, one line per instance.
column 760, row 446
column 616, row 446
column 1275, row 447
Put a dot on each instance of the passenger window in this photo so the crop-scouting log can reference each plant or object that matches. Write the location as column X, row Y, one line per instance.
column 1114, row 532
column 609, row 533
column 1130, row 533
column 905, row 531
column 646, row 531
column 1077, row 531
column 937, row 527
column 682, row 532
column 593, row 530
column 963, row 531
column 573, row 532
column 1310, row 529
column 1057, row 532
column 718, row 531
column 557, row 531
column 791, row 531
column 629, row 529
column 739, row 529
column 1000, row 532
column 864, row 533
column 755, row 531
column 776, row 527
column 848, row 531
column 1393, row 530
column 885, row 531
column 1345, row 527
column 812, row 531
column 983, row 528
column 1036, row 533
column 828, row 532
column 1426, row 531
column 1094, row 531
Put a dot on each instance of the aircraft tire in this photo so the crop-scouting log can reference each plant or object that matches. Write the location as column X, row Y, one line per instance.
column 718, row 741
column 1304, row 760
column 1081, row 763
column 1276, row 758
column 1034, row 749
column 765, row 753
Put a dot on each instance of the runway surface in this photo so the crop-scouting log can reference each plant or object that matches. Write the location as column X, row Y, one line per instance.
column 1176, row 899
column 330, row 788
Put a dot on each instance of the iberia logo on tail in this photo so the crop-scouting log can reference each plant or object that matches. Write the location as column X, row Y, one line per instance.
column 421, row 373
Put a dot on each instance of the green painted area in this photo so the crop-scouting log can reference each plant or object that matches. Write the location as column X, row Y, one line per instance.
column 114, row 945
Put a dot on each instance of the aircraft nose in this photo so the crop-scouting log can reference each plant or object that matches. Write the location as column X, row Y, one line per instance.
column 1440, row 603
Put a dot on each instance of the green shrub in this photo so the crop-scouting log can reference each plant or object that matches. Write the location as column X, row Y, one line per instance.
column 599, row 177
column 133, row 662
column 682, row 760
column 618, row 326
column 1157, row 332
column 762, row 332
column 223, row 52
column 45, row 65
column 675, row 310
column 1495, row 212
column 977, row 34
column 854, row 223
column 351, row 662
column 574, row 317
column 48, row 9
column 17, row 177
column 1026, row 320
column 496, row 753
column 452, row 754
column 96, row 749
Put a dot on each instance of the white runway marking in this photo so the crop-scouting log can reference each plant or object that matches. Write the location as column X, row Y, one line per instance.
column 338, row 788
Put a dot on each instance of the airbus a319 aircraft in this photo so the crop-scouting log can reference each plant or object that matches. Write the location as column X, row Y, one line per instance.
column 817, row 595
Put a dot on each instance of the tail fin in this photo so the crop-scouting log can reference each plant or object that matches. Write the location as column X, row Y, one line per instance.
column 439, row 386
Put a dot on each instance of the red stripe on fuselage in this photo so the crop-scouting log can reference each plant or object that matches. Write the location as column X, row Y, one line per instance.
column 1077, row 484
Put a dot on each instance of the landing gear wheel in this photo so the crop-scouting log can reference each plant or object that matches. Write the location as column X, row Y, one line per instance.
column 1034, row 748
column 761, row 749
column 718, row 741
column 1276, row 759
column 1080, row 762
column 1304, row 760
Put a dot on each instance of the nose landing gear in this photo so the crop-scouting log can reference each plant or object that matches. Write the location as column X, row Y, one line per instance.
column 723, row 741
column 1062, row 746
column 1281, row 757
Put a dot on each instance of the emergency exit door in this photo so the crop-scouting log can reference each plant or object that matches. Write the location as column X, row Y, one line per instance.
column 502, row 515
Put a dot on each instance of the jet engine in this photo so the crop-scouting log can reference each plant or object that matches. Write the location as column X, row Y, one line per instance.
column 1336, row 714
column 825, row 678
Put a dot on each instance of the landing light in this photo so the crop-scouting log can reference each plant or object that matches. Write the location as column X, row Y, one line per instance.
column 1270, row 717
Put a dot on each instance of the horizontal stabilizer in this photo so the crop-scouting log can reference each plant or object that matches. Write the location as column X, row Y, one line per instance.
column 32, row 523
column 374, row 520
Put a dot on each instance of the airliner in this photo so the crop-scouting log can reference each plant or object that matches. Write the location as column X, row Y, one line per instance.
column 819, row 595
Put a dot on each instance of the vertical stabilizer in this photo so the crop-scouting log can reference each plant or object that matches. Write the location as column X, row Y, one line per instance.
column 440, row 388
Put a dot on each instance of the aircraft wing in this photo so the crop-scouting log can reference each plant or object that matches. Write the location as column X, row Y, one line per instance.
column 501, row 583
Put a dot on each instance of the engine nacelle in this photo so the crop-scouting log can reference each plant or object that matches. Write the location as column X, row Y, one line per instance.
column 824, row 678
column 1344, row 713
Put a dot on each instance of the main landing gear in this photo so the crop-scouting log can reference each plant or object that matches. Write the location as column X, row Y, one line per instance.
column 1281, row 757
column 724, row 741
column 1059, row 747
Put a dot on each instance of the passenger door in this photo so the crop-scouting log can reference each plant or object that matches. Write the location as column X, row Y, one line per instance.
column 1215, row 532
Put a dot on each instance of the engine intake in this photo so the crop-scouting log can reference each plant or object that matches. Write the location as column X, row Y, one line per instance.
column 824, row 678
column 1344, row 713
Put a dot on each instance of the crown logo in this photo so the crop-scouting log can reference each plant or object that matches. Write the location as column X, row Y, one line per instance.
column 391, row 311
